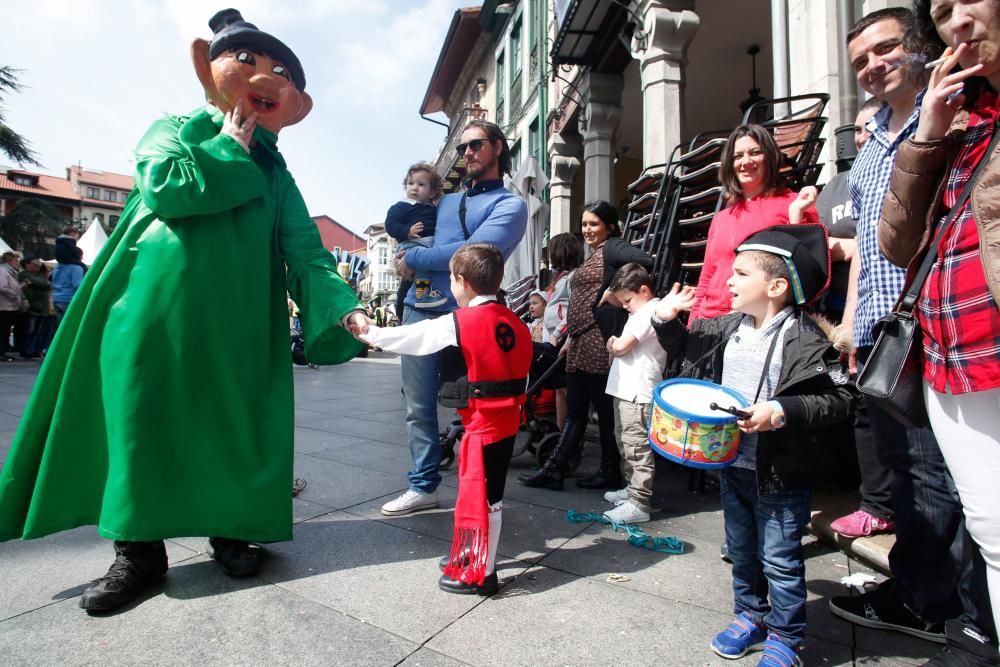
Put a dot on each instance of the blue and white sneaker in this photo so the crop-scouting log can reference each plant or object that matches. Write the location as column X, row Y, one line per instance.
column 425, row 297
column 779, row 654
column 739, row 638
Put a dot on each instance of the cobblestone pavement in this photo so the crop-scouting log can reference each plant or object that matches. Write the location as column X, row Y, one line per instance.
column 357, row 588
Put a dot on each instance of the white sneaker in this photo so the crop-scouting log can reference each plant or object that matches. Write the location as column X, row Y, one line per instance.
column 617, row 497
column 627, row 512
column 410, row 502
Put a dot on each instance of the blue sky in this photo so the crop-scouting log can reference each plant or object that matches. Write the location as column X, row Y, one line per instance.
column 99, row 72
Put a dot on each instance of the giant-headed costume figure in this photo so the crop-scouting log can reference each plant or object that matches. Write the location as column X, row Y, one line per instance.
column 164, row 407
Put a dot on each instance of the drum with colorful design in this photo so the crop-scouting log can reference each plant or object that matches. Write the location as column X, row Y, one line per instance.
column 685, row 430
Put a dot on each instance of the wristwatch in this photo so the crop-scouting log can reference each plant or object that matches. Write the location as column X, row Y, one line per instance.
column 777, row 416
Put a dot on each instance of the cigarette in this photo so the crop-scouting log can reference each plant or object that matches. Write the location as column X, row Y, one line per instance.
column 934, row 63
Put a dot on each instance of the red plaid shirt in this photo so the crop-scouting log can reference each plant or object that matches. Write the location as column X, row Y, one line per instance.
column 957, row 313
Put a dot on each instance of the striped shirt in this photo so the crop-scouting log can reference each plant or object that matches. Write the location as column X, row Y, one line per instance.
column 879, row 282
column 958, row 315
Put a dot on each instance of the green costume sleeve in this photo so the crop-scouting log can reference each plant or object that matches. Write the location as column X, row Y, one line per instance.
column 321, row 294
column 185, row 167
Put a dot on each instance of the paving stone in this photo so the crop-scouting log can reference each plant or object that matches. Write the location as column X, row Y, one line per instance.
column 381, row 574
column 428, row 658
column 311, row 441
column 552, row 615
column 391, row 433
column 201, row 617
column 373, row 455
column 39, row 572
column 336, row 485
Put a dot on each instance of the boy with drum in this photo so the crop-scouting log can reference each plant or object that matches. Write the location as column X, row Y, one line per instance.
column 774, row 354
column 637, row 362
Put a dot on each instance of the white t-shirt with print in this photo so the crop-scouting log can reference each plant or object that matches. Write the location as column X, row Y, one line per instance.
column 634, row 374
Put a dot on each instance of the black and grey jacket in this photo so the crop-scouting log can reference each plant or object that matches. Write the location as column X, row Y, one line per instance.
column 814, row 390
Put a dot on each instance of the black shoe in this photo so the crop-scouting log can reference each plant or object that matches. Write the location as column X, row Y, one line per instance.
column 547, row 478
column 881, row 609
column 964, row 647
column 489, row 586
column 237, row 557
column 137, row 567
column 463, row 559
column 605, row 478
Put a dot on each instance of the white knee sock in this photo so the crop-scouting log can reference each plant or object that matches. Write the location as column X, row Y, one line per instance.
column 496, row 522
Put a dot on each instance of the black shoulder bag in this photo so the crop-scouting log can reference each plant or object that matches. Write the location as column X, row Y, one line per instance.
column 892, row 378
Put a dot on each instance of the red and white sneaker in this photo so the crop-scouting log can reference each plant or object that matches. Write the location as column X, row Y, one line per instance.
column 861, row 524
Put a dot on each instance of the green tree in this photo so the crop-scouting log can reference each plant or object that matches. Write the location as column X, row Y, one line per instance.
column 31, row 224
column 16, row 147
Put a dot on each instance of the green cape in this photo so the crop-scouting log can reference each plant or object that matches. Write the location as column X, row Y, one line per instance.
column 164, row 406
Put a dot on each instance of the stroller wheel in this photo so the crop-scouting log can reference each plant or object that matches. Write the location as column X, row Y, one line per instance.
column 547, row 445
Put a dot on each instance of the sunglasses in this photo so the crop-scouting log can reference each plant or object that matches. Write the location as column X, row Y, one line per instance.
column 475, row 145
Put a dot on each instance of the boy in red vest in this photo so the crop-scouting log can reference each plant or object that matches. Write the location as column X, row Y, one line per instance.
column 484, row 371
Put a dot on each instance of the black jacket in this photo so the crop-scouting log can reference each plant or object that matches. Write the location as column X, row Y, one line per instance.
column 813, row 388
column 617, row 253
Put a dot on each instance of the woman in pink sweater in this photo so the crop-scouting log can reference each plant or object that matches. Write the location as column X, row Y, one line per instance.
column 752, row 184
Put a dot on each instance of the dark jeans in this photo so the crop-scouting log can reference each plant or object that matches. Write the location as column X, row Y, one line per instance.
column 764, row 536
column 587, row 389
column 876, row 478
column 933, row 559
column 39, row 332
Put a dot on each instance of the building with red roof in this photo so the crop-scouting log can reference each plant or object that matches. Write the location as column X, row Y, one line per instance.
column 336, row 236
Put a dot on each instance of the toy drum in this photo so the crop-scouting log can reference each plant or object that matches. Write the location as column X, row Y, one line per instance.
column 685, row 430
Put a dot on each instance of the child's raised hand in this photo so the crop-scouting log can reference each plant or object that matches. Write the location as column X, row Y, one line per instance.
column 679, row 298
column 760, row 418
column 416, row 230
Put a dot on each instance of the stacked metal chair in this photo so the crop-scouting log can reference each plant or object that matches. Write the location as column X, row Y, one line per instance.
column 673, row 204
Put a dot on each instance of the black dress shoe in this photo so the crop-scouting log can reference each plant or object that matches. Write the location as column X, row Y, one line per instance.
column 463, row 559
column 237, row 557
column 547, row 478
column 601, row 479
column 138, row 566
column 489, row 586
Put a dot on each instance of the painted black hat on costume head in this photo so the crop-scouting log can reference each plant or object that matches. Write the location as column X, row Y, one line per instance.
column 805, row 251
column 232, row 32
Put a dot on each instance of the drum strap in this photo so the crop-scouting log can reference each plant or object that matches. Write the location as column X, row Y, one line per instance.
column 767, row 362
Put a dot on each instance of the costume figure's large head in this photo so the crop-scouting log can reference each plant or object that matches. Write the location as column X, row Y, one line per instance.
column 242, row 62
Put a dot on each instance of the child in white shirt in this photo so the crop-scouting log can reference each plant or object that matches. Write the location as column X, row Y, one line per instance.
column 637, row 365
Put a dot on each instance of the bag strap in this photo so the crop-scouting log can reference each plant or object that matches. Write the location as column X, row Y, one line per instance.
column 461, row 215
column 909, row 300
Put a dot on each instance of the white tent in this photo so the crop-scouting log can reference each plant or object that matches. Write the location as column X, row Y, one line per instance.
column 527, row 183
column 92, row 241
column 4, row 247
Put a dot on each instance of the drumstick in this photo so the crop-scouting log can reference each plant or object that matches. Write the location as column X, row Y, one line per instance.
column 732, row 409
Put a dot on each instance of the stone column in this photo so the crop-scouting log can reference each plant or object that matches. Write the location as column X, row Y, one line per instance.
column 599, row 119
column 564, row 156
column 660, row 46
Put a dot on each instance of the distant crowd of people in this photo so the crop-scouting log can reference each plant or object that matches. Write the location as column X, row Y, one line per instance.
column 34, row 297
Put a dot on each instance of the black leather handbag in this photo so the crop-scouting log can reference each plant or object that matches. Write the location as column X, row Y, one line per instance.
column 893, row 376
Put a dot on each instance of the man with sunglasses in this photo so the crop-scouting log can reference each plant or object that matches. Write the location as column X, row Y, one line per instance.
column 484, row 213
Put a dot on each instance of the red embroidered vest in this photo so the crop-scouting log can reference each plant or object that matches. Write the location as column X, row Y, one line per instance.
column 492, row 358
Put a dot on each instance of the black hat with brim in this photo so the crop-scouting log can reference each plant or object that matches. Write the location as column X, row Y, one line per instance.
column 806, row 252
column 232, row 32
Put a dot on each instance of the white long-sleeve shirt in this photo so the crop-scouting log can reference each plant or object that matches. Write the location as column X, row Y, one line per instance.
column 419, row 338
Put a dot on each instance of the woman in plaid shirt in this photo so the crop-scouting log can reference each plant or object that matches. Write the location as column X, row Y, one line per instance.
column 957, row 308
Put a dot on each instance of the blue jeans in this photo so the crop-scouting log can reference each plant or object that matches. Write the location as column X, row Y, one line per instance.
column 930, row 526
column 764, row 536
column 420, row 385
